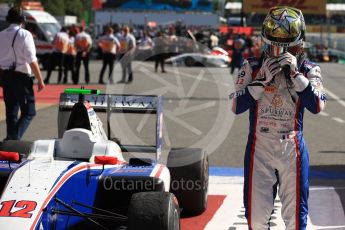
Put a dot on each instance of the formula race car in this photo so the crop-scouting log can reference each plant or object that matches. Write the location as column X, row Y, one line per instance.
column 215, row 58
column 81, row 180
column 319, row 53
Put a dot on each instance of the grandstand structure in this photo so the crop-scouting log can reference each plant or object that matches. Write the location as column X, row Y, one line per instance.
column 334, row 17
column 159, row 12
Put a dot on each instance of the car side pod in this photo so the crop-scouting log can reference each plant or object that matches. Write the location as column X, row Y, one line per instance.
column 106, row 160
column 9, row 156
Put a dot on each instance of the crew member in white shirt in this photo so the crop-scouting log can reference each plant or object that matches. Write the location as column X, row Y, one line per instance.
column 60, row 46
column 109, row 45
column 83, row 43
column 128, row 45
column 17, row 62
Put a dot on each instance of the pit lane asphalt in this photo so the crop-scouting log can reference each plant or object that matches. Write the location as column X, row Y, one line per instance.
column 197, row 111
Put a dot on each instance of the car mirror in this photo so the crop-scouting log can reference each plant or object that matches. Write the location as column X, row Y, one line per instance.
column 9, row 156
column 106, row 160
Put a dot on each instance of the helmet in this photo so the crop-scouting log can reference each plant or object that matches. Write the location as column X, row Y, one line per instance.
column 283, row 30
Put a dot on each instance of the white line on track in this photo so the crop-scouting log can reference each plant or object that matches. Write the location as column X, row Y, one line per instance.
column 326, row 188
column 331, row 227
column 324, row 114
column 335, row 97
column 337, row 119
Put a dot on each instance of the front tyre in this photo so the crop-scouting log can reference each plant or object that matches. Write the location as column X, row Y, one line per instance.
column 153, row 210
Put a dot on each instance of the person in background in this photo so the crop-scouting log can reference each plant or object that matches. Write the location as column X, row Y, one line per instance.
column 248, row 44
column 75, row 29
column 237, row 53
column 17, row 62
column 145, row 47
column 159, row 49
column 118, row 32
column 109, row 45
column 69, row 58
column 127, row 48
column 214, row 40
column 172, row 43
column 60, row 44
column 146, row 41
column 83, row 43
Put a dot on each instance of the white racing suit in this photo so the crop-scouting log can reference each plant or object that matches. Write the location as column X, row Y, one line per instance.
column 276, row 155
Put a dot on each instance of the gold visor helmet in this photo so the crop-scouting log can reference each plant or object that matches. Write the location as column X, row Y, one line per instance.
column 283, row 31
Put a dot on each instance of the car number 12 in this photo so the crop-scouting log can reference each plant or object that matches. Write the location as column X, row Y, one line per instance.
column 23, row 208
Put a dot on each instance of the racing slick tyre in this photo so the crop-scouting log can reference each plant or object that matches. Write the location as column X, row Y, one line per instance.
column 189, row 179
column 153, row 210
column 189, row 61
column 22, row 147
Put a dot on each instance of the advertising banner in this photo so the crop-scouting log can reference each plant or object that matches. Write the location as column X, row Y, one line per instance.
column 237, row 30
column 169, row 5
column 307, row 6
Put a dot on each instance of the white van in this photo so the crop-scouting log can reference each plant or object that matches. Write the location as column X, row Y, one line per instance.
column 43, row 27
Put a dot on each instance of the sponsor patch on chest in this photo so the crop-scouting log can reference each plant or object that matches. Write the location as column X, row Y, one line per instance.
column 270, row 89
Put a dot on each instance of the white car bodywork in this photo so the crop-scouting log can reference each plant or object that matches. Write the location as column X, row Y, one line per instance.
column 215, row 58
column 52, row 163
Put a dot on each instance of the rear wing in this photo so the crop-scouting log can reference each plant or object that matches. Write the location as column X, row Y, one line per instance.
column 115, row 103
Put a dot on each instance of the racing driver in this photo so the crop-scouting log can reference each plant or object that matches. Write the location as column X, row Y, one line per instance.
column 276, row 89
